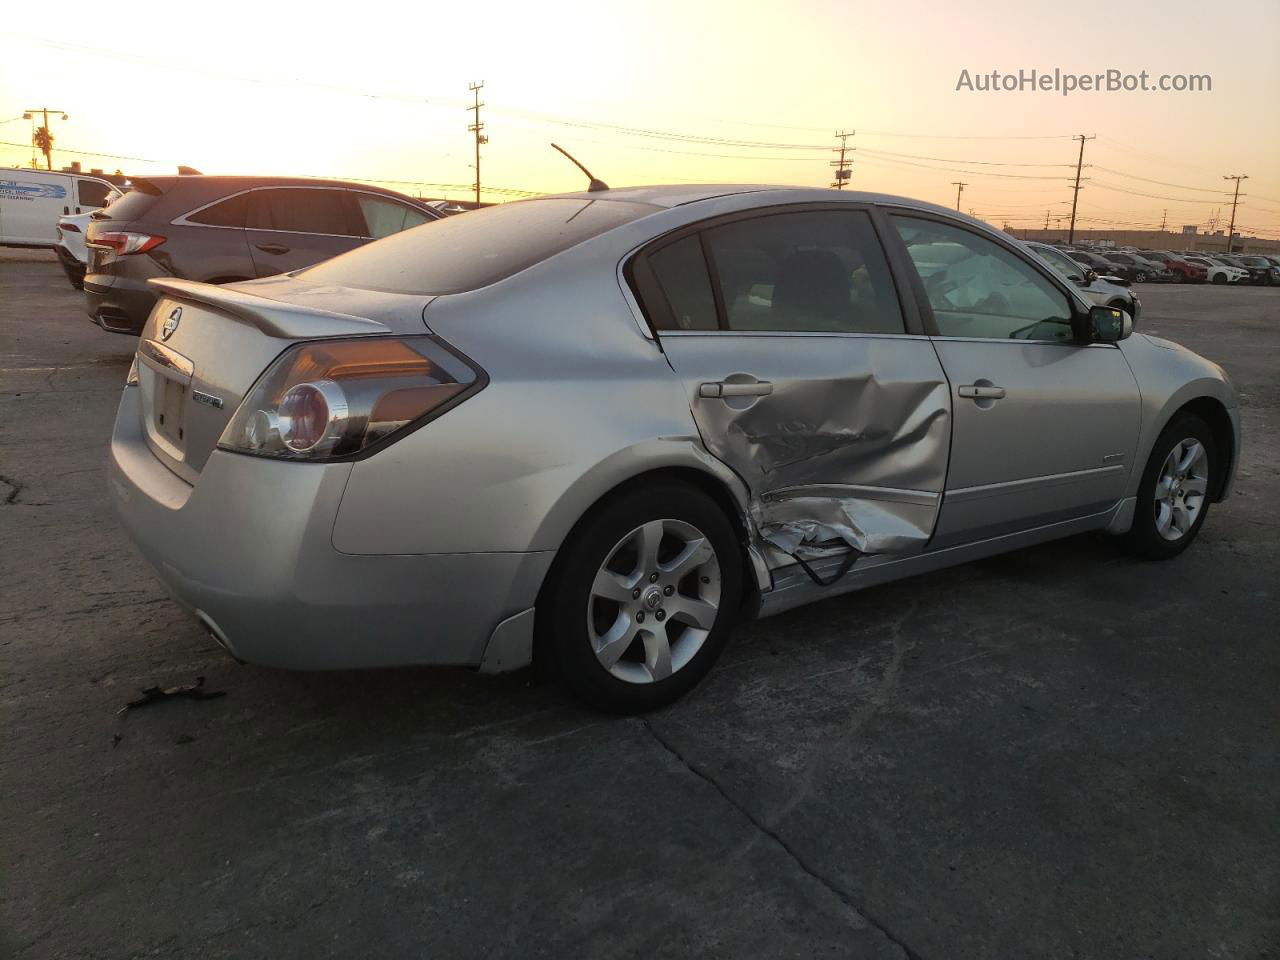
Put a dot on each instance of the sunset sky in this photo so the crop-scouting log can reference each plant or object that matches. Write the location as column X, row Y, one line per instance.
column 660, row 92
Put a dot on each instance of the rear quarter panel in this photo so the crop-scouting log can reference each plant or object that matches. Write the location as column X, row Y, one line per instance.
column 578, row 401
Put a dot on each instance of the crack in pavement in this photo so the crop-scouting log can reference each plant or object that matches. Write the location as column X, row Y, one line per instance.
column 777, row 838
column 14, row 489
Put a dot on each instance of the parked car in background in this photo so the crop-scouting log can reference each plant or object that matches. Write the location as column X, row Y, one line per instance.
column 70, row 247
column 1261, row 270
column 1140, row 270
column 1095, row 287
column 1220, row 272
column 1098, row 264
column 601, row 424
column 31, row 201
column 1182, row 270
column 226, row 229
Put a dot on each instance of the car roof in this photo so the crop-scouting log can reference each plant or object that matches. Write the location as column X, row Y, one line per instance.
column 675, row 195
column 249, row 180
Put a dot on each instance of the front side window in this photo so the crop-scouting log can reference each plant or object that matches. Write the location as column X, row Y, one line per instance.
column 299, row 210
column 800, row 272
column 979, row 289
column 383, row 216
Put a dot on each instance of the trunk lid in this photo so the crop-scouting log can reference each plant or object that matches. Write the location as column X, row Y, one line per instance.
column 204, row 347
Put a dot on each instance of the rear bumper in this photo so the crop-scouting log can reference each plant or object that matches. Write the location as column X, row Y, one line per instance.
column 249, row 551
column 120, row 306
column 71, row 266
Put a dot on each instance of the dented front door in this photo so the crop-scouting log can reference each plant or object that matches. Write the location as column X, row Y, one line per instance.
column 842, row 440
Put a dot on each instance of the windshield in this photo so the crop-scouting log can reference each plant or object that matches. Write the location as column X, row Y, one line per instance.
column 475, row 249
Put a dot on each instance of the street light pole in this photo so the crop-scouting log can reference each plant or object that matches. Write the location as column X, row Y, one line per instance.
column 44, row 138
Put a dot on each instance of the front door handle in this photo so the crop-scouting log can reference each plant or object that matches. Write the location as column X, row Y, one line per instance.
column 272, row 247
column 760, row 388
column 971, row 391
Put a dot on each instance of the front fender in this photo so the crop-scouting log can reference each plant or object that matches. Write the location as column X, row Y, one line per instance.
column 1169, row 377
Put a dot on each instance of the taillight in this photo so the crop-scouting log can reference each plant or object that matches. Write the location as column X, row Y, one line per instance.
column 334, row 398
column 126, row 242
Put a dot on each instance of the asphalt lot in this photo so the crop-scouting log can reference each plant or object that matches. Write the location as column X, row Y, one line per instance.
column 1057, row 753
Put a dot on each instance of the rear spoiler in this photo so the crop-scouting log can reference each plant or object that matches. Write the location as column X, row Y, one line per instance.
column 273, row 317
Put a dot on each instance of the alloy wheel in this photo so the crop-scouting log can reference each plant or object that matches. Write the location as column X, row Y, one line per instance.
column 654, row 601
column 1181, row 488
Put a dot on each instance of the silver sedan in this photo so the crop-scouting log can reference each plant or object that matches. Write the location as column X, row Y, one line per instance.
column 596, row 428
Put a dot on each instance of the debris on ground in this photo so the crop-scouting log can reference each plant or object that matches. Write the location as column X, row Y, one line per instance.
column 192, row 691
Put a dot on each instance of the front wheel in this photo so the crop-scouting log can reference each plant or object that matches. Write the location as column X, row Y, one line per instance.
column 1219, row 278
column 1173, row 497
column 644, row 599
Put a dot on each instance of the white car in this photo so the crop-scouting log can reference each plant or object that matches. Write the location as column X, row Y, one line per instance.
column 1104, row 291
column 1220, row 272
column 70, row 247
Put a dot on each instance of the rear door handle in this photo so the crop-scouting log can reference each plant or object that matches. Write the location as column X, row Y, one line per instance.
column 972, row 391
column 760, row 388
column 272, row 247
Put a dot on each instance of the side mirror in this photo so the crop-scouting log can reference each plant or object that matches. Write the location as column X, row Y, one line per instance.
column 1109, row 325
column 1090, row 275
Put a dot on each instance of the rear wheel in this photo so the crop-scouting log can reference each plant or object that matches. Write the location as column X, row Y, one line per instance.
column 1173, row 498
column 643, row 602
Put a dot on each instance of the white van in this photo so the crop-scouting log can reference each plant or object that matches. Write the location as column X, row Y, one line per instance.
column 31, row 201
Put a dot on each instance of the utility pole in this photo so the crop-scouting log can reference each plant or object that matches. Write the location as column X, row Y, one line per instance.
column 959, row 190
column 1046, row 220
column 1231, row 230
column 843, row 172
column 1164, row 220
column 1075, row 193
column 475, row 128
column 43, row 138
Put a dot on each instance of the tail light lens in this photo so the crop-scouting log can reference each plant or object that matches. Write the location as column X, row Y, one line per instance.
column 126, row 242
column 335, row 398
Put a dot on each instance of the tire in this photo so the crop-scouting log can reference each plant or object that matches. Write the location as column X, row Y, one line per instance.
column 1184, row 513
column 1219, row 278
column 604, row 587
column 1140, row 277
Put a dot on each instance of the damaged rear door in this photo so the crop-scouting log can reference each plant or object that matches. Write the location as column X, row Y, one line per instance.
column 807, row 374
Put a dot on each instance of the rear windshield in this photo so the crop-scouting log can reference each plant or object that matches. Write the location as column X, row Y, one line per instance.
column 129, row 207
column 472, row 250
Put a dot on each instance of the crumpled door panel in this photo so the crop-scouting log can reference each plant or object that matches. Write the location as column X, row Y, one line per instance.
column 848, row 450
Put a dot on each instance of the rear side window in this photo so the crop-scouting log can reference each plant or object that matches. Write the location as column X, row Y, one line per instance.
column 229, row 213
column 798, row 272
column 382, row 216
column 681, row 273
column 299, row 210
column 475, row 249
column 92, row 193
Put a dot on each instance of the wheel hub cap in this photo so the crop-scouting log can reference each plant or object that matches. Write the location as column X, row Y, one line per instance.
column 1181, row 488
column 654, row 601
